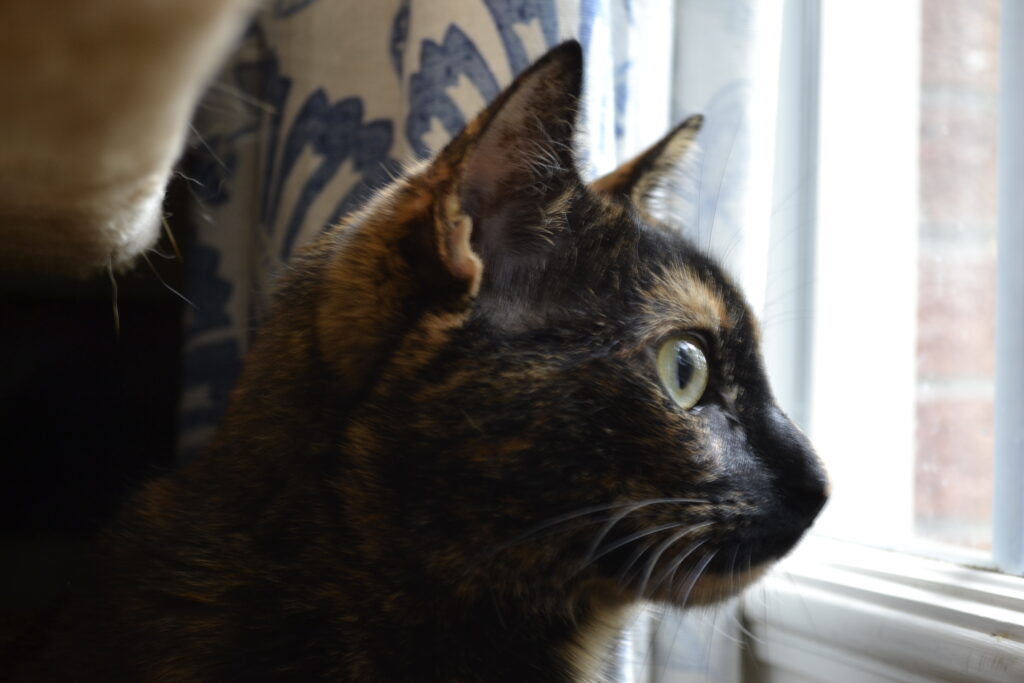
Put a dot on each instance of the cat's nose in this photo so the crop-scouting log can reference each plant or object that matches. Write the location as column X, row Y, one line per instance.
column 812, row 492
column 800, row 472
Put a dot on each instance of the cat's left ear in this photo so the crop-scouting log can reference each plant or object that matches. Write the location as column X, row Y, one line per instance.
column 503, row 177
column 643, row 177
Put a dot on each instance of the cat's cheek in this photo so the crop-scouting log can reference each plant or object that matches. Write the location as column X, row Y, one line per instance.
column 712, row 587
column 714, row 447
column 709, row 456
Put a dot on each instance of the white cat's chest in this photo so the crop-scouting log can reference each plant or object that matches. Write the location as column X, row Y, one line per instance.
column 592, row 650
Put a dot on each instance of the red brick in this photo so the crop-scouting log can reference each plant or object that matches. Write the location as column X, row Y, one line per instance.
column 956, row 313
column 958, row 149
column 960, row 44
column 953, row 465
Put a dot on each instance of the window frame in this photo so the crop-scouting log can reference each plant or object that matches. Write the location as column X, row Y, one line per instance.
column 1008, row 512
column 840, row 611
column 1008, row 502
column 836, row 609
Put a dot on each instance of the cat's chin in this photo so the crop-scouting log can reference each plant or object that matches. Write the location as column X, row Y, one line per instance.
column 712, row 587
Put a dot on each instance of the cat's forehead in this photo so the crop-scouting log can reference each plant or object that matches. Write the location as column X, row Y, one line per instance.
column 682, row 288
column 678, row 298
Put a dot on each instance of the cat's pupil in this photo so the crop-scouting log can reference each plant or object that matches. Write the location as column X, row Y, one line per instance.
column 684, row 363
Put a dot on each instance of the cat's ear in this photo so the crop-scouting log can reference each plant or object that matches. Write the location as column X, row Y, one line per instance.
column 489, row 202
column 504, row 175
column 653, row 171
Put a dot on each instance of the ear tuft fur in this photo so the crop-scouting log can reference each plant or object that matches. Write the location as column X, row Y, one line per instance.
column 454, row 234
column 653, row 173
column 516, row 158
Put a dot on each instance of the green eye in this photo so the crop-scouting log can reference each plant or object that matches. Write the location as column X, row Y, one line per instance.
column 683, row 370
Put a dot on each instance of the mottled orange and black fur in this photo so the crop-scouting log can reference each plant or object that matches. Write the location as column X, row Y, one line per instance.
column 450, row 457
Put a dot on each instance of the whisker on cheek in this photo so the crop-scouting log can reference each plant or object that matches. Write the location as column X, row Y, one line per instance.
column 629, row 510
column 669, row 575
column 625, row 577
column 609, row 514
column 692, row 578
column 665, row 545
column 626, row 540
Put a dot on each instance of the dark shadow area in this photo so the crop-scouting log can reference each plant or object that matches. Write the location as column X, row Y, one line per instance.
column 88, row 410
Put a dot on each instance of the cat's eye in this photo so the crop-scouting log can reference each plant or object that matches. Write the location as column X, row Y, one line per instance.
column 684, row 370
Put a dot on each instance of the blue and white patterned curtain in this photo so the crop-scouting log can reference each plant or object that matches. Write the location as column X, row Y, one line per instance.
column 325, row 99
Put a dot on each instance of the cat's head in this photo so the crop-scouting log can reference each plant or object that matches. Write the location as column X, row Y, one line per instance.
column 547, row 390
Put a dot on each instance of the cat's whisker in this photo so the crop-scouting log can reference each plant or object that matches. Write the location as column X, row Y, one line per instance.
column 156, row 273
column 665, row 545
column 735, row 590
column 161, row 254
column 666, row 659
column 624, row 576
column 235, row 91
column 801, row 285
column 800, row 186
column 610, row 653
column 626, row 540
column 657, row 614
column 224, row 109
column 636, row 506
column 170, row 233
column 732, row 569
column 204, row 143
column 642, row 587
column 184, row 176
column 775, row 317
column 599, row 539
column 722, row 629
column 113, row 298
column 786, row 318
column 631, row 506
column 699, row 172
column 748, row 633
column 669, row 575
column 574, row 523
column 718, row 191
column 796, row 230
column 555, row 524
column 693, row 578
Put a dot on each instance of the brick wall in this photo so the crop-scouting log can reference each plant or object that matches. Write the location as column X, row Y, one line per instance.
column 956, row 269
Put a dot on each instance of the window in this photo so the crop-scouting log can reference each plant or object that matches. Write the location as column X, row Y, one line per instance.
column 894, row 331
column 904, row 328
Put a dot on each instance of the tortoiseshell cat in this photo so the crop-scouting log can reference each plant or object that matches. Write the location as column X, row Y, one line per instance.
column 486, row 417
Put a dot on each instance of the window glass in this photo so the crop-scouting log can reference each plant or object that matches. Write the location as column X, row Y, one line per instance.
column 902, row 335
column 956, row 272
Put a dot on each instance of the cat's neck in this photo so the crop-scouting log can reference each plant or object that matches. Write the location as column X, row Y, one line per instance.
column 396, row 613
column 486, row 644
column 342, row 542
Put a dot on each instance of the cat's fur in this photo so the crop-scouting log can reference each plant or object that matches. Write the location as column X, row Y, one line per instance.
column 450, row 457
column 97, row 98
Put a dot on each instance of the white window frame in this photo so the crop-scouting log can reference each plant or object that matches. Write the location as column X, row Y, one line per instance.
column 841, row 612
column 1009, row 415
column 838, row 611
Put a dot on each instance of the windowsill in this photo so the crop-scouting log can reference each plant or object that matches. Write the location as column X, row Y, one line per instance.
column 838, row 611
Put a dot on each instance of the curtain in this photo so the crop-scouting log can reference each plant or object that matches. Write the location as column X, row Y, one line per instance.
column 324, row 100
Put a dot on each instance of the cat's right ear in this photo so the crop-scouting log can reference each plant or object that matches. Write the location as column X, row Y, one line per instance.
column 502, row 181
column 652, row 172
column 491, row 202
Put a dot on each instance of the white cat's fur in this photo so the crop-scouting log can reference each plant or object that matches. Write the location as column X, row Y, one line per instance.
column 96, row 101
